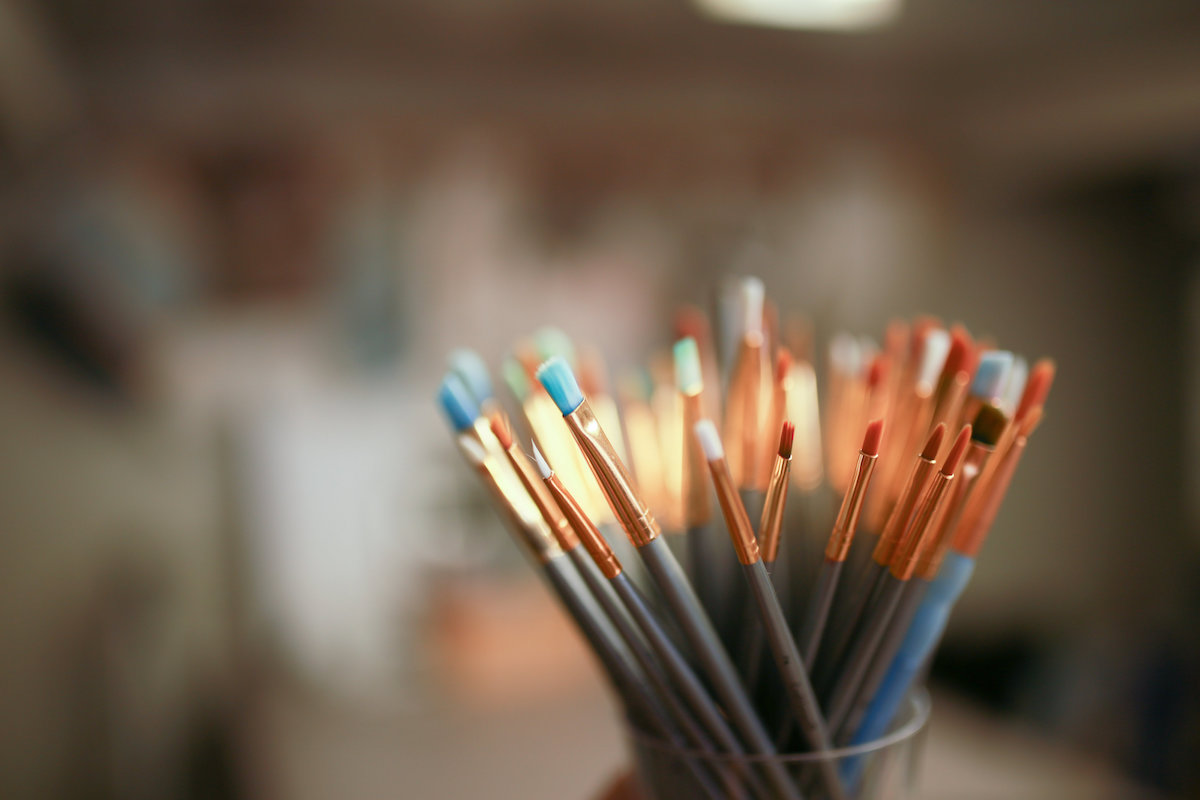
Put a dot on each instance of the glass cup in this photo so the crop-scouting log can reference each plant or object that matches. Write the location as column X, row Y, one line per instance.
column 884, row 769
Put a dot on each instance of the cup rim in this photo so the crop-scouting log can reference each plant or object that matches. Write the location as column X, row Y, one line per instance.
column 918, row 701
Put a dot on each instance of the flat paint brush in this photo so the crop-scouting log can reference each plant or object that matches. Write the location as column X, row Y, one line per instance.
column 787, row 658
column 642, row 529
column 711, row 721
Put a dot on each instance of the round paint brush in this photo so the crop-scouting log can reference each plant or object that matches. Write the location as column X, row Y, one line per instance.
column 800, row 695
column 816, row 613
column 889, row 589
column 711, row 722
column 642, row 529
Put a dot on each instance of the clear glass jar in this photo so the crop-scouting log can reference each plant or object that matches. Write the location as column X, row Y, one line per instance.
column 885, row 769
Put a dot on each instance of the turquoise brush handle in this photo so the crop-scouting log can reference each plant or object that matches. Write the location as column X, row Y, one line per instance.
column 923, row 635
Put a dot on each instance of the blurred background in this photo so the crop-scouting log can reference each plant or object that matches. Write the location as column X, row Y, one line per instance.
column 242, row 557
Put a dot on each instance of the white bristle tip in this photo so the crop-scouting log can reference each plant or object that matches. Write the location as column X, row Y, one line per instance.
column 710, row 440
column 543, row 467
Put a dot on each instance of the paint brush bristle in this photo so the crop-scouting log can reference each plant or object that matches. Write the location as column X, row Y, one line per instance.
column 957, row 451
column 456, row 400
column 787, row 435
column 751, row 293
column 1037, row 388
column 783, row 365
column 468, row 365
column 559, row 382
column 543, row 468
column 935, row 443
column 989, row 425
column 551, row 341
column 710, row 440
column 688, row 377
column 934, row 351
column 516, row 378
column 499, row 427
column 871, row 440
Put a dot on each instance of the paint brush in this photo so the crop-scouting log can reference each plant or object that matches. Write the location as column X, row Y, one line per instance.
column 816, row 613
column 889, row 589
column 802, row 700
column 640, row 526
column 711, row 721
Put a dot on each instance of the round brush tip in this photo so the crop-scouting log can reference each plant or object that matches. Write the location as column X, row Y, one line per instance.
column 934, row 444
column 871, row 440
column 543, row 468
column 500, row 429
column 783, row 365
column 957, row 451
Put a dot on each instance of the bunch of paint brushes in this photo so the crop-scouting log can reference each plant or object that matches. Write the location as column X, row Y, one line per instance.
column 727, row 642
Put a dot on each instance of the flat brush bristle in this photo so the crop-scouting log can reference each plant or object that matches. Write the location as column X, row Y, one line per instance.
column 558, row 380
column 786, row 436
column 688, row 377
column 468, row 365
column 990, row 375
column 1037, row 388
column 500, row 429
column 457, row 402
column 691, row 322
column 935, row 443
column 871, row 440
column 989, row 425
column 710, row 440
column 752, row 293
column 934, row 351
column 783, row 365
column 552, row 341
column 516, row 377
column 957, row 451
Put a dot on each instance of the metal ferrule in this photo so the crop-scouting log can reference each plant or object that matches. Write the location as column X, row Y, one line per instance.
column 847, row 518
column 517, row 510
column 593, row 540
column 985, row 502
column 536, row 487
column 631, row 511
column 771, row 525
column 917, row 540
column 902, row 512
column 736, row 519
column 697, row 507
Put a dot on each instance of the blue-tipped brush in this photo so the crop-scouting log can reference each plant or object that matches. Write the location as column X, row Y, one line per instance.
column 559, row 381
column 457, row 402
column 469, row 367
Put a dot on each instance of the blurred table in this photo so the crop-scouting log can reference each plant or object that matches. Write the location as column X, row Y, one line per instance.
column 569, row 746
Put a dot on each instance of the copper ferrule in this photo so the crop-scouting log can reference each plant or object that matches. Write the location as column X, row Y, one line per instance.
column 973, row 463
column 515, row 508
column 847, row 519
column 593, row 540
column 743, row 407
column 984, row 502
column 631, row 511
column 697, row 507
column 559, row 526
column 897, row 523
column 917, row 540
column 736, row 519
column 771, row 524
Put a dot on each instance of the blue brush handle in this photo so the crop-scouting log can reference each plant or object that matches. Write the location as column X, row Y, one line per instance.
column 923, row 635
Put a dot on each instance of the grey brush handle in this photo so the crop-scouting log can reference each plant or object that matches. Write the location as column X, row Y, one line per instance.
column 881, row 662
column 795, row 680
column 576, row 597
column 850, row 603
column 816, row 613
column 863, row 648
column 682, row 722
column 687, row 682
column 714, row 660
